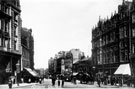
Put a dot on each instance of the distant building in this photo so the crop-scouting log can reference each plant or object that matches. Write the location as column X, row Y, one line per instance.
column 27, row 48
column 40, row 71
column 63, row 62
column 51, row 65
column 27, row 60
column 76, row 53
column 10, row 40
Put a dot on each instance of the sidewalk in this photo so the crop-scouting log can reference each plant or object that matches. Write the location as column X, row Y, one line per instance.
column 5, row 86
column 95, row 85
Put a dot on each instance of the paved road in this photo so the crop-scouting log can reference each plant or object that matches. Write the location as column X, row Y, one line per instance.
column 47, row 84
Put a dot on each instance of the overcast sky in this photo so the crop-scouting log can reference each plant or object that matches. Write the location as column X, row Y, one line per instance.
column 61, row 25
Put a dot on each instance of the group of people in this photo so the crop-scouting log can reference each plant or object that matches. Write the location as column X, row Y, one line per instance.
column 60, row 79
column 112, row 80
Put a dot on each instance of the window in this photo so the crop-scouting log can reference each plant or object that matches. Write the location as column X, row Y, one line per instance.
column 122, row 56
column 133, row 32
column 0, row 6
column 6, row 27
column 133, row 48
column 125, row 32
column 6, row 43
column 121, row 30
column 0, row 41
column 0, row 24
column 14, row 45
column 126, row 55
column 133, row 18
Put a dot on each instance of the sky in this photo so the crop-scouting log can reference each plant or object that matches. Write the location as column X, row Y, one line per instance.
column 62, row 25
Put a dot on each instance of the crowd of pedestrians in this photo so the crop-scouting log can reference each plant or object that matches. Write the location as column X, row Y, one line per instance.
column 112, row 80
column 60, row 78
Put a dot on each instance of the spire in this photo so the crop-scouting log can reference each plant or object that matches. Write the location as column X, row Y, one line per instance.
column 111, row 14
column 133, row 1
column 115, row 12
column 99, row 18
column 123, row 2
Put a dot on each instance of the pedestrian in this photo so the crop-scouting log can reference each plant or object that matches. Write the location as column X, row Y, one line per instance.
column 53, row 80
column 29, row 80
column 22, row 80
column 63, row 79
column 10, row 83
column 99, row 81
column 58, row 81
column 74, row 78
column 40, row 80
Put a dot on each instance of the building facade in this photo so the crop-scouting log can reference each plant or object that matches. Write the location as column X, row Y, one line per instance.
column 132, row 39
column 27, row 47
column 110, row 40
column 63, row 62
column 84, row 65
column 76, row 53
column 51, row 66
column 27, row 60
column 10, row 40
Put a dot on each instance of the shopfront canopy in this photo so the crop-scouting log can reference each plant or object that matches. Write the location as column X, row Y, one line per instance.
column 32, row 72
column 123, row 69
column 74, row 74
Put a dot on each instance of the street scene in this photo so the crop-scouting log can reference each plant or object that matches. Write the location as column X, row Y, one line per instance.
column 67, row 44
column 47, row 83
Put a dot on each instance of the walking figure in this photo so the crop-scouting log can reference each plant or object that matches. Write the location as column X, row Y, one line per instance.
column 10, row 83
column 58, row 80
column 98, row 81
column 53, row 80
column 63, row 79
column 74, row 79
column 40, row 80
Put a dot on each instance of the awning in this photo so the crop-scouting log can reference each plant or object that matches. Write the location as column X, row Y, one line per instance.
column 32, row 72
column 74, row 74
column 123, row 69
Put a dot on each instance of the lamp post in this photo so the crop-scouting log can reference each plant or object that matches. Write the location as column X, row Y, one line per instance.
column 94, row 70
column 17, row 72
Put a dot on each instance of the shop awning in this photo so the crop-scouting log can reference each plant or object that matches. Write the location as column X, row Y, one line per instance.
column 123, row 69
column 32, row 72
column 74, row 74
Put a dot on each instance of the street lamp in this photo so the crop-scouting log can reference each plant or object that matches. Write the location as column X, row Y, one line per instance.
column 17, row 72
column 94, row 70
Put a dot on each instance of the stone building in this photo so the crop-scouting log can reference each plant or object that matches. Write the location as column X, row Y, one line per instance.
column 10, row 40
column 27, row 48
column 110, row 40
column 27, row 60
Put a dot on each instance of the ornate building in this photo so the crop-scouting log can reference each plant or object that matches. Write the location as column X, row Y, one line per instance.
column 10, row 40
column 132, row 39
column 110, row 40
